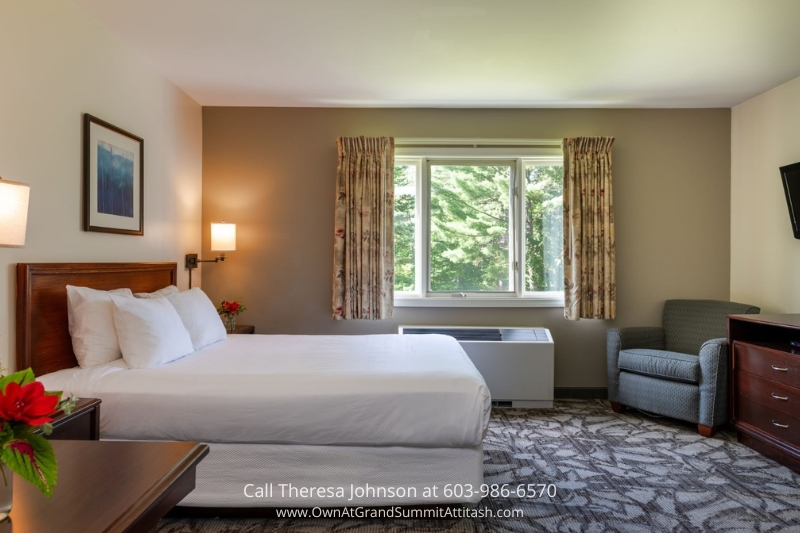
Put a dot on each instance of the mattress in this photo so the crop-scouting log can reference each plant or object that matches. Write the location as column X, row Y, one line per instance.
column 275, row 475
column 373, row 390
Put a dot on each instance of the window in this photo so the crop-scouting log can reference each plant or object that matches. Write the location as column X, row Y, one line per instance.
column 478, row 226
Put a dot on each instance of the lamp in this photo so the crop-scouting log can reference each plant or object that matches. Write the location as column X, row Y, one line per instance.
column 13, row 212
column 223, row 239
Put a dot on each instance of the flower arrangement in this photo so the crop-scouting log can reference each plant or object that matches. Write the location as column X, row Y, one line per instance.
column 229, row 311
column 24, row 406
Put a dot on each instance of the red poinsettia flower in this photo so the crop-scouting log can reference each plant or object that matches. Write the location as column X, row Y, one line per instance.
column 28, row 404
column 231, row 307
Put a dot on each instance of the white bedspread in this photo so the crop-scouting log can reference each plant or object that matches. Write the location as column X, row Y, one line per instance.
column 373, row 390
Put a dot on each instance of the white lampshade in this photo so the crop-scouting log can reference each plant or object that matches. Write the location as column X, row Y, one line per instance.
column 223, row 237
column 13, row 212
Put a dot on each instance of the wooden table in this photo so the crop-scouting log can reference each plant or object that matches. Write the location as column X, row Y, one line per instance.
column 107, row 486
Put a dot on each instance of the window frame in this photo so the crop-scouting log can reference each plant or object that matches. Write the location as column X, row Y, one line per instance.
column 520, row 157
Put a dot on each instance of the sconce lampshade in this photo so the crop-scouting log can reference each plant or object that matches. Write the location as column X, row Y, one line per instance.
column 13, row 212
column 223, row 237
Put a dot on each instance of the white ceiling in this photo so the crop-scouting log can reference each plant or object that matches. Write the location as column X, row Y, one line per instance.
column 463, row 53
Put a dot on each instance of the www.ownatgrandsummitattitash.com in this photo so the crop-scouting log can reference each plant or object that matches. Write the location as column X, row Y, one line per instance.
column 399, row 512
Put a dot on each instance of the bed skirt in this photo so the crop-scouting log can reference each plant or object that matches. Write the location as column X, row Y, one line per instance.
column 278, row 475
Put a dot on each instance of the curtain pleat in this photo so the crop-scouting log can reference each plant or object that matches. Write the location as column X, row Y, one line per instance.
column 363, row 252
column 590, row 289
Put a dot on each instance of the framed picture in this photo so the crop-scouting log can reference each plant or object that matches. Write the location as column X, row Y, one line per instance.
column 113, row 178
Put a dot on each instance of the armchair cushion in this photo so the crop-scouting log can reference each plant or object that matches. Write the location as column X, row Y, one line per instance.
column 662, row 364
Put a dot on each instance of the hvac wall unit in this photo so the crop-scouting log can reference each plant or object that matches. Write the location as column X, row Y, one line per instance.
column 516, row 363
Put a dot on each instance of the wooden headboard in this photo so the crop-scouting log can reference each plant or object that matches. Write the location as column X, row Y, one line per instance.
column 43, row 341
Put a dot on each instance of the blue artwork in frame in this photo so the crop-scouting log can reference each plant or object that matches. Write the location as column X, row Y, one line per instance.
column 113, row 178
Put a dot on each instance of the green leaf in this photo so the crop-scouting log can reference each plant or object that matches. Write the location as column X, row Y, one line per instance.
column 34, row 460
column 68, row 404
column 23, row 377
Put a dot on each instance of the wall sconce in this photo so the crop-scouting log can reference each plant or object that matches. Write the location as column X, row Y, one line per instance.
column 223, row 239
column 13, row 212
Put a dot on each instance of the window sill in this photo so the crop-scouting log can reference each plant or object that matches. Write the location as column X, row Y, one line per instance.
column 411, row 301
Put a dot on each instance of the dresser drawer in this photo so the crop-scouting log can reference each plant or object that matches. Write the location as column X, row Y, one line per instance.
column 767, row 363
column 770, row 421
column 769, row 393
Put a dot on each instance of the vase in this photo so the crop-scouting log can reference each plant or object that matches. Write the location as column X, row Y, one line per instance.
column 6, row 492
column 231, row 324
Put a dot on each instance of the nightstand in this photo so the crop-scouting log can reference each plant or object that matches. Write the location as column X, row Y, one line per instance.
column 240, row 330
column 83, row 423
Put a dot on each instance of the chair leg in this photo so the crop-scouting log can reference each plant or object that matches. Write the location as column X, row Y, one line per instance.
column 617, row 407
column 706, row 431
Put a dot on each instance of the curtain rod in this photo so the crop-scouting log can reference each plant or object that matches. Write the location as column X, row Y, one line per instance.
column 474, row 142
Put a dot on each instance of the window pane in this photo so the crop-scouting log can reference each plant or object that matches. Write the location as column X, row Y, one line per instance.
column 544, row 257
column 469, row 234
column 405, row 196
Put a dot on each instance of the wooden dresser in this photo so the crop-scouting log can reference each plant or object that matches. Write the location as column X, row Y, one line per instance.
column 765, row 384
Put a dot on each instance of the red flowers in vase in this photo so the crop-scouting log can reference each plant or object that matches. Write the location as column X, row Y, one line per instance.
column 24, row 406
column 229, row 309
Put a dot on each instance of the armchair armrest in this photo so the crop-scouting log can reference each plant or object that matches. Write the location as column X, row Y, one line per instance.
column 714, row 382
column 623, row 339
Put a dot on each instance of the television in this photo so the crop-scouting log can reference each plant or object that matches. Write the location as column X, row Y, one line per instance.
column 790, row 175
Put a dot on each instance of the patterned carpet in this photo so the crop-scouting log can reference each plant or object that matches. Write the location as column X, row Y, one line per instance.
column 623, row 473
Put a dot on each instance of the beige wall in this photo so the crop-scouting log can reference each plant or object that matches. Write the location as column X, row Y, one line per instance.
column 57, row 63
column 765, row 256
column 272, row 171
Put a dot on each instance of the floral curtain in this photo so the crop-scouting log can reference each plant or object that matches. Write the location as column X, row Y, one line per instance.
column 363, row 251
column 590, row 289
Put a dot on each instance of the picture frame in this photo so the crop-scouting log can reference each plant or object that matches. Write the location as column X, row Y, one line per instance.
column 113, row 178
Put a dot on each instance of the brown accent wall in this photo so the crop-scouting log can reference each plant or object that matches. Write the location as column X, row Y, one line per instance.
column 272, row 172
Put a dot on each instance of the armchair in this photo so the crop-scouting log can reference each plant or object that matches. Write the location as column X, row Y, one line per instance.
column 678, row 370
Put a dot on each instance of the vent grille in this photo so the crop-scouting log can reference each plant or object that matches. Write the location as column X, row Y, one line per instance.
column 476, row 334
column 483, row 334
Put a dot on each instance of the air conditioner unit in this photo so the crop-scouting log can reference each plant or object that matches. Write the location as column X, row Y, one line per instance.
column 516, row 363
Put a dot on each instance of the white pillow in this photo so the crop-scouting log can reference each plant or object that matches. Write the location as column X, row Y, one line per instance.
column 150, row 331
column 199, row 316
column 91, row 325
column 160, row 293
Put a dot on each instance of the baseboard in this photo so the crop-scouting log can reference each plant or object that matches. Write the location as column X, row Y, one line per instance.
column 581, row 393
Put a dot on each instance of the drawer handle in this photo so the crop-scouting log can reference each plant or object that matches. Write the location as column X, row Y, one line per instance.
column 784, row 426
column 779, row 369
column 784, row 398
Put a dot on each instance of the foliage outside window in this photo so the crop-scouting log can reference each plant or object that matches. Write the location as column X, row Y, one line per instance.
column 405, row 195
column 478, row 228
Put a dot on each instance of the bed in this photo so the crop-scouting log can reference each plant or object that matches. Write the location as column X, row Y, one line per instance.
column 290, row 420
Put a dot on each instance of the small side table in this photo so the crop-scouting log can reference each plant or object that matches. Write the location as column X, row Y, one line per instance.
column 83, row 423
column 243, row 330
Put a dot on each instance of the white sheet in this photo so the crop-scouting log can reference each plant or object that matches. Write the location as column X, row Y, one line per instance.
column 373, row 390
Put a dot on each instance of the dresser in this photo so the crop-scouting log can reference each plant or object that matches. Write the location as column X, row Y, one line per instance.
column 764, row 389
